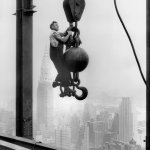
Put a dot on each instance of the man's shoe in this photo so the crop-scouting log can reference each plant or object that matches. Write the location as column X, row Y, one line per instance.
column 55, row 84
column 61, row 94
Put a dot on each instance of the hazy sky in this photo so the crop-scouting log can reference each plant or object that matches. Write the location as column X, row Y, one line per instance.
column 112, row 71
column 8, row 52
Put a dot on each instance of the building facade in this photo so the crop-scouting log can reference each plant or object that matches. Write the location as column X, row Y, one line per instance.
column 125, row 120
column 45, row 101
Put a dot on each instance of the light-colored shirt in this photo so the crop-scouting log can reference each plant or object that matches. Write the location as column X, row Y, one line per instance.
column 54, row 36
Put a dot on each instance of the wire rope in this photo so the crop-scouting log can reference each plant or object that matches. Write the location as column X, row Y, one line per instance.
column 132, row 45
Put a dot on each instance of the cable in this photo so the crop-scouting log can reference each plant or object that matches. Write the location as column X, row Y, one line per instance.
column 134, row 52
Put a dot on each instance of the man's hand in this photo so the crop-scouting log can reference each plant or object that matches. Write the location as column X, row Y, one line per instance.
column 69, row 32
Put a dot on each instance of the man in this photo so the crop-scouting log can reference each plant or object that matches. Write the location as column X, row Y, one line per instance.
column 57, row 41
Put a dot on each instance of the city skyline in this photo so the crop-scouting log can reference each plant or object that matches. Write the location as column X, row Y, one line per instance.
column 91, row 127
column 111, row 75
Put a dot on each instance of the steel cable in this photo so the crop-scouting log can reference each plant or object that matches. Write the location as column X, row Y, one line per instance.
column 132, row 45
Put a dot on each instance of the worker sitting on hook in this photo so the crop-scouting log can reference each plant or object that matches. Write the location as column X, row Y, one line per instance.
column 57, row 41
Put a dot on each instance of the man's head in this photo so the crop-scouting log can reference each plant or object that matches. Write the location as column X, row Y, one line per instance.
column 54, row 26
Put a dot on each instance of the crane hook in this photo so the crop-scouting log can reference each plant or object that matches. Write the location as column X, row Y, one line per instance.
column 83, row 95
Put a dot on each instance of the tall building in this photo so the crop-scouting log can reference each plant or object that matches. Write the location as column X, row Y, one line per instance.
column 115, row 124
column 100, row 130
column 85, row 142
column 75, row 128
column 125, row 120
column 45, row 95
column 91, row 134
column 86, row 113
column 81, row 140
column 63, row 138
column 105, row 116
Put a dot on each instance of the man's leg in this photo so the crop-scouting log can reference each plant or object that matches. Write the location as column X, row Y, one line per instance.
column 64, row 76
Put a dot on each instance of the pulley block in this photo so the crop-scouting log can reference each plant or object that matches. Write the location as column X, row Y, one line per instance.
column 73, row 9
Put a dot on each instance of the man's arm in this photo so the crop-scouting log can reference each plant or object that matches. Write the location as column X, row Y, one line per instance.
column 62, row 33
column 62, row 39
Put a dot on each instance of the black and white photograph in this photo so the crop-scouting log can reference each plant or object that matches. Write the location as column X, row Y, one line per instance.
column 74, row 74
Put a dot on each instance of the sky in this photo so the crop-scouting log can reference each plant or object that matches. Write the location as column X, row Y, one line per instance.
column 112, row 71
column 8, row 53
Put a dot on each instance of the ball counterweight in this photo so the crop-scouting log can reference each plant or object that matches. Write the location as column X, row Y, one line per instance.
column 76, row 59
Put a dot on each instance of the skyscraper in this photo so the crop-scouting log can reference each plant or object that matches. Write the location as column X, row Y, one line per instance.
column 91, row 134
column 75, row 128
column 63, row 138
column 100, row 129
column 86, row 113
column 85, row 142
column 45, row 94
column 125, row 120
column 115, row 124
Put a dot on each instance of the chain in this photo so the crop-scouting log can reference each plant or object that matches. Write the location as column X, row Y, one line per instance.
column 74, row 40
column 76, row 80
column 76, row 35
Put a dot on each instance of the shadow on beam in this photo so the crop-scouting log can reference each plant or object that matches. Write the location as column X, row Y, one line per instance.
column 26, row 143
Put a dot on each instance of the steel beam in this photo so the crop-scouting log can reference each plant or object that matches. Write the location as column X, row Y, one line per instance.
column 148, row 75
column 25, row 143
column 24, row 46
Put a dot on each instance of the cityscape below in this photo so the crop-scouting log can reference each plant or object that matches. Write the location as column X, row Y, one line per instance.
column 84, row 126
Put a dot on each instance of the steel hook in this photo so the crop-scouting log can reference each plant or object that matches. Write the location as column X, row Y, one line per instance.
column 83, row 95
